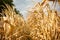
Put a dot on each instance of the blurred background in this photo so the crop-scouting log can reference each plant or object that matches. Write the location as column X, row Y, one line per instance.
column 24, row 5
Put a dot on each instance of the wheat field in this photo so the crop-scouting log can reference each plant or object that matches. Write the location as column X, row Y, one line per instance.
column 42, row 24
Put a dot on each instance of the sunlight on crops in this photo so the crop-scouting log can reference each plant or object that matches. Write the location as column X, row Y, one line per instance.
column 42, row 24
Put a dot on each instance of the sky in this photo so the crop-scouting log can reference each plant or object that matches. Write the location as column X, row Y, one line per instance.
column 24, row 5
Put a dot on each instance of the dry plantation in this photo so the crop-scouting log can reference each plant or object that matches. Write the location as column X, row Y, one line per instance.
column 43, row 23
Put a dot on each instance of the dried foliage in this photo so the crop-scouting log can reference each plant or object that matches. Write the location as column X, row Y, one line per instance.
column 44, row 23
column 13, row 25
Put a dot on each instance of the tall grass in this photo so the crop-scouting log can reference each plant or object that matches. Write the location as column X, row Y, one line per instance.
column 42, row 24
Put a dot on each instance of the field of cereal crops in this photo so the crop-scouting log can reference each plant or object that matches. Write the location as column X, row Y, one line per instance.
column 43, row 23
